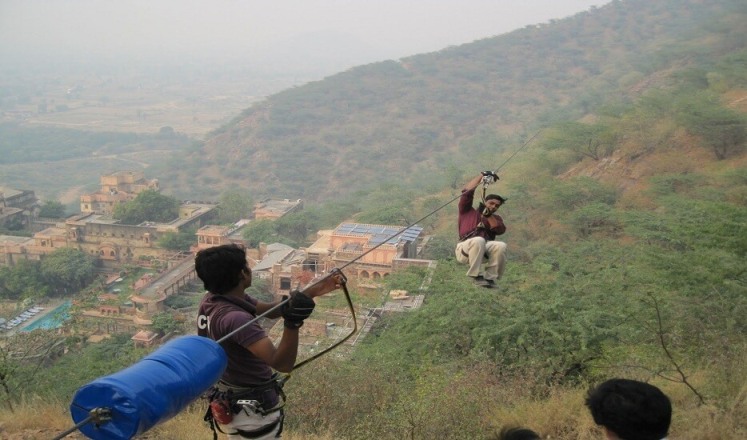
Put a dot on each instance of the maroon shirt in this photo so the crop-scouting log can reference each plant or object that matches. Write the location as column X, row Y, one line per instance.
column 470, row 218
column 218, row 316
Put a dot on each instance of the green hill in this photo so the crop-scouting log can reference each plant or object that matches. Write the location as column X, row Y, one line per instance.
column 406, row 121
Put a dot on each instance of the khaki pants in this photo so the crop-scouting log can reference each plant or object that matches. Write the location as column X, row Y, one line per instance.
column 476, row 250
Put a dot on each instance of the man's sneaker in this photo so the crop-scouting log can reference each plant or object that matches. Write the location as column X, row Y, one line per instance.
column 480, row 281
column 491, row 283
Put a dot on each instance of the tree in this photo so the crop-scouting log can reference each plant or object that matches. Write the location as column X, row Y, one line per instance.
column 234, row 205
column 594, row 217
column 177, row 241
column 298, row 225
column 722, row 129
column 149, row 205
column 165, row 323
column 440, row 247
column 574, row 193
column 22, row 356
column 590, row 140
column 166, row 132
column 68, row 270
column 259, row 231
column 23, row 280
column 52, row 209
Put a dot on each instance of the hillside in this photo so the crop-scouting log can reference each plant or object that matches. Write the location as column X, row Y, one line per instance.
column 399, row 121
column 626, row 229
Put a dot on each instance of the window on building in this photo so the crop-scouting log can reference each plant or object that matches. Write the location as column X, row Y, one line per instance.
column 285, row 284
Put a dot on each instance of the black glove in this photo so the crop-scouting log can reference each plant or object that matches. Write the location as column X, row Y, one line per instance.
column 489, row 177
column 295, row 310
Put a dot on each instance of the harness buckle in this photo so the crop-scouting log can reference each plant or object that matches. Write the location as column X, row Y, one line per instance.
column 254, row 405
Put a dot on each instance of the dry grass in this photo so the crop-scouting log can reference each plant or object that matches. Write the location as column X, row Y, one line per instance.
column 560, row 414
column 36, row 419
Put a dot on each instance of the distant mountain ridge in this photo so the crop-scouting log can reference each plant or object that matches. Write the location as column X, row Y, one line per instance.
column 401, row 120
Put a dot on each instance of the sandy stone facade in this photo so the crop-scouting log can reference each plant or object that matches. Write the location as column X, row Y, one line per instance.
column 118, row 187
column 103, row 237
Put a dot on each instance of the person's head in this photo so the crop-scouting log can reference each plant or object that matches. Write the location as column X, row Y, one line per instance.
column 510, row 433
column 221, row 268
column 630, row 410
column 492, row 203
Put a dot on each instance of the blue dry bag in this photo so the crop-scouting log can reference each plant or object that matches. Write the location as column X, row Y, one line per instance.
column 152, row 390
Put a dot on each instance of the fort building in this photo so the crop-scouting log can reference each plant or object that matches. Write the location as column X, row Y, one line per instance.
column 118, row 187
column 101, row 236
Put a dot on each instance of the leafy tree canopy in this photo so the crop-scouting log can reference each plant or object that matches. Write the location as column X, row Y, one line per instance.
column 177, row 241
column 68, row 270
column 165, row 322
column 259, row 231
column 234, row 204
column 149, row 205
column 722, row 129
column 52, row 209
column 23, row 280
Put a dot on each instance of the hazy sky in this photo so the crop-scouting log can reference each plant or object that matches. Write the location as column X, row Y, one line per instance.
column 368, row 30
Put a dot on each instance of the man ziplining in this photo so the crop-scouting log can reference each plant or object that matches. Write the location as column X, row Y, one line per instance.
column 477, row 231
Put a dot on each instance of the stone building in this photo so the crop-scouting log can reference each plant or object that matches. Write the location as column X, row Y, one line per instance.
column 105, row 238
column 281, row 265
column 118, row 187
column 380, row 255
column 378, row 250
column 275, row 208
column 214, row 235
column 17, row 206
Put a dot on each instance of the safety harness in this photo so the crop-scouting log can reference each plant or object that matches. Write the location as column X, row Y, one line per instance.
column 226, row 400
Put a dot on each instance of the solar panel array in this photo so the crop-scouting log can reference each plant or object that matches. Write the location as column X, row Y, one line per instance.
column 380, row 233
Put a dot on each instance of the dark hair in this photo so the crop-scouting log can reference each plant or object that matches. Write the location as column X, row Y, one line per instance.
column 510, row 433
column 220, row 267
column 496, row 197
column 631, row 409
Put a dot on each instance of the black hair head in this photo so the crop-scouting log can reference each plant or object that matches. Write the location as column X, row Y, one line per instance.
column 220, row 267
column 496, row 197
column 631, row 409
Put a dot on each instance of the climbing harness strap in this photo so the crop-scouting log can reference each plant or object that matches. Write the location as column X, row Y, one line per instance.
column 226, row 400
column 277, row 423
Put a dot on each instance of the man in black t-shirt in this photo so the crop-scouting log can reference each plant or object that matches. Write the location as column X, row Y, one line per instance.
column 252, row 356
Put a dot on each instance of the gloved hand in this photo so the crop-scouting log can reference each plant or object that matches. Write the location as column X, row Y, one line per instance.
column 489, row 177
column 297, row 309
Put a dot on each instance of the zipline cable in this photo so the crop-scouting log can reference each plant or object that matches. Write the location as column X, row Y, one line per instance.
column 437, row 209
column 154, row 389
